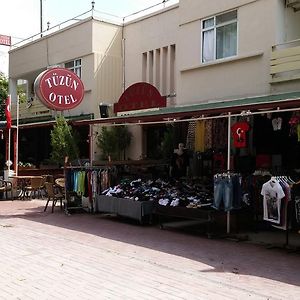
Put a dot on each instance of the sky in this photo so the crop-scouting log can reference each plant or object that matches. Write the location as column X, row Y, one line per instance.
column 20, row 19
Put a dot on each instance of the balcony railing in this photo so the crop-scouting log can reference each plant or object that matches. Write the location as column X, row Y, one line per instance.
column 99, row 15
column 31, row 110
column 285, row 62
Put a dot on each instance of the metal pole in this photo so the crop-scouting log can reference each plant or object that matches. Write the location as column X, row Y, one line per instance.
column 17, row 138
column 41, row 16
column 9, row 141
column 91, row 144
column 228, row 163
column 93, row 7
column 8, row 156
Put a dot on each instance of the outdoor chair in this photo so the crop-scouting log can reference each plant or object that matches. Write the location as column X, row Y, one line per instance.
column 60, row 182
column 53, row 195
column 5, row 188
column 42, row 189
column 49, row 178
column 34, row 187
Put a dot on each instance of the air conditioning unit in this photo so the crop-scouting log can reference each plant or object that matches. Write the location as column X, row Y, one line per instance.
column 295, row 4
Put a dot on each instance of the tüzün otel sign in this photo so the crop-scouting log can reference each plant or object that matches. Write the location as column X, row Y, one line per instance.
column 59, row 89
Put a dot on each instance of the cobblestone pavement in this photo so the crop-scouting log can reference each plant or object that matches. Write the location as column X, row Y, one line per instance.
column 85, row 256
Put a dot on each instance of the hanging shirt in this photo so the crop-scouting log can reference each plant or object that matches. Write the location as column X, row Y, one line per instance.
column 208, row 134
column 239, row 130
column 272, row 193
column 179, row 164
column 277, row 123
column 199, row 136
column 190, row 139
column 80, row 184
column 284, row 205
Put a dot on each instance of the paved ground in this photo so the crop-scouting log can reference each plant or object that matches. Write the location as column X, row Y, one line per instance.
column 83, row 256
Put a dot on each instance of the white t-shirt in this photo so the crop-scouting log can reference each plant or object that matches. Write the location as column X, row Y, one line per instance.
column 272, row 193
column 277, row 123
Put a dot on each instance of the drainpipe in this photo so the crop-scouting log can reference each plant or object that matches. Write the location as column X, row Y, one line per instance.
column 123, row 56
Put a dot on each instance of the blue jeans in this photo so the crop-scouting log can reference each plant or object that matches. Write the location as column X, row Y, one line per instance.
column 223, row 193
column 237, row 192
column 227, row 191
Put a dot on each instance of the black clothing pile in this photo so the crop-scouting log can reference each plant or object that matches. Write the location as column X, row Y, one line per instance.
column 167, row 193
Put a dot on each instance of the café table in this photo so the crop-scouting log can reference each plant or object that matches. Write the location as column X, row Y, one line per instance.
column 23, row 182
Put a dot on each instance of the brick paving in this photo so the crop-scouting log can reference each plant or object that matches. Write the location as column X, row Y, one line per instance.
column 85, row 256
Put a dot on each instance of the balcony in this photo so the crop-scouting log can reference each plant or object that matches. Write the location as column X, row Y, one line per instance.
column 285, row 62
column 31, row 110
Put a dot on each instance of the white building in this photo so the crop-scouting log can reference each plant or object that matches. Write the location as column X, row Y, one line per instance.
column 207, row 57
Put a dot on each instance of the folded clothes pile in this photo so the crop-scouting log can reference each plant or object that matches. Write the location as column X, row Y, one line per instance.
column 167, row 193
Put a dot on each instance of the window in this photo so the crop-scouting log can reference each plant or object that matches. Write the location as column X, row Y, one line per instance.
column 75, row 66
column 219, row 36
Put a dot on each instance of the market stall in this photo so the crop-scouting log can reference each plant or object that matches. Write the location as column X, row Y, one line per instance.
column 238, row 145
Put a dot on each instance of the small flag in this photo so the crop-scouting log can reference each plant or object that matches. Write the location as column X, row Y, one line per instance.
column 7, row 113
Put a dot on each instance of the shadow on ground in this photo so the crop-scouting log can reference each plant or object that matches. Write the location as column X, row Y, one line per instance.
column 222, row 255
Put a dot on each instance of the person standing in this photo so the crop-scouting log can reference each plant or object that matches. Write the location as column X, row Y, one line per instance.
column 179, row 162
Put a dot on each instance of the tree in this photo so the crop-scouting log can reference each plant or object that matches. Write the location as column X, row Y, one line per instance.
column 3, row 95
column 64, row 141
column 114, row 141
column 21, row 92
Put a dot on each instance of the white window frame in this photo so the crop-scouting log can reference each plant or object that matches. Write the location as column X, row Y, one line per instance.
column 214, row 29
column 76, row 66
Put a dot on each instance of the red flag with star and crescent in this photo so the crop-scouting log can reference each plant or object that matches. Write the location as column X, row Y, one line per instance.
column 7, row 113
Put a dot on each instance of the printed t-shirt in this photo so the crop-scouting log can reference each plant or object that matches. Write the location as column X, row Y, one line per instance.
column 239, row 130
column 272, row 193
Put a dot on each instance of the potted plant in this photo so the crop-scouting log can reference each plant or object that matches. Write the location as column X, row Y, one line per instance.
column 64, row 142
column 113, row 142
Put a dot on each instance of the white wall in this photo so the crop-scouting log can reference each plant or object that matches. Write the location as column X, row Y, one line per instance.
column 97, row 44
column 157, row 31
column 245, row 75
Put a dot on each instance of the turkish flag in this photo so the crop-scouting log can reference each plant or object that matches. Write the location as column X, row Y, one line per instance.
column 7, row 113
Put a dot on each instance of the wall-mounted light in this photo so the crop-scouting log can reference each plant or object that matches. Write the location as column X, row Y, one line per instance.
column 103, row 109
column 171, row 95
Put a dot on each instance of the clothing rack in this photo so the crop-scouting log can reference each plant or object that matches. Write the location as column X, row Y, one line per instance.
column 286, row 245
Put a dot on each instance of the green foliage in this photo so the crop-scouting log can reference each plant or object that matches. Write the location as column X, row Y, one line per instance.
column 22, row 94
column 64, row 141
column 113, row 142
column 3, row 95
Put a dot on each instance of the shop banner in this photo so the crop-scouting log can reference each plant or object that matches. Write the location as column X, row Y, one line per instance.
column 5, row 40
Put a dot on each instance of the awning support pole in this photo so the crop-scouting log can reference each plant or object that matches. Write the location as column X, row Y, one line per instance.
column 228, row 163
column 91, row 144
column 17, row 136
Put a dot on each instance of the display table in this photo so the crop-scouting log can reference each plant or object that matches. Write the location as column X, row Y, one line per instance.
column 186, row 216
column 137, row 210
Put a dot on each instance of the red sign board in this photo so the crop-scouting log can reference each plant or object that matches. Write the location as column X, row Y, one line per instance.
column 5, row 40
column 59, row 89
column 141, row 95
